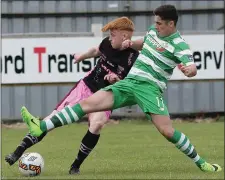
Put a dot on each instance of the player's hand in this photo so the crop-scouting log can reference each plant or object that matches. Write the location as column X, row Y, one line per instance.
column 189, row 71
column 180, row 66
column 77, row 58
column 126, row 44
column 112, row 78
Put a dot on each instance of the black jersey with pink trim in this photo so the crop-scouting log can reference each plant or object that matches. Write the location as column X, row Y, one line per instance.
column 111, row 61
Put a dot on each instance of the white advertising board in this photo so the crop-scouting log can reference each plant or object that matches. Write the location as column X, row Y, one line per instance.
column 48, row 60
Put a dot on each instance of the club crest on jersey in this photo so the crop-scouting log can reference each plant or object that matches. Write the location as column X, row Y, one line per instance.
column 160, row 49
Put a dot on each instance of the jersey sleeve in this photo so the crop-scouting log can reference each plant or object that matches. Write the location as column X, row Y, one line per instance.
column 103, row 44
column 184, row 54
column 151, row 27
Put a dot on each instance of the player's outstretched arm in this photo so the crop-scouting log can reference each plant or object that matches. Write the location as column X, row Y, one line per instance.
column 92, row 52
column 136, row 44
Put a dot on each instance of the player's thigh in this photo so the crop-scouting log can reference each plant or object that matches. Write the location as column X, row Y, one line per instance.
column 99, row 101
column 150, row 99
column 122, row 93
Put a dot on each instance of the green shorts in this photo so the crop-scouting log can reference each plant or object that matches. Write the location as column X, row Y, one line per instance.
column 130, row 92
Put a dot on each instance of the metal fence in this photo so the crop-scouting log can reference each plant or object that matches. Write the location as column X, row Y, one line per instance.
column 182, row 97
column 22, row 16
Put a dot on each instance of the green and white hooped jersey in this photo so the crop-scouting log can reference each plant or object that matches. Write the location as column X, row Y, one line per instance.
column 159, row 56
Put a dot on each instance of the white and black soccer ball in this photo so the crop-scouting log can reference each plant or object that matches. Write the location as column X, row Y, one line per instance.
column 31, row 164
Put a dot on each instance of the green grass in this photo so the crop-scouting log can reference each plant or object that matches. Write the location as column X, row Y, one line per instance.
column 129, row 150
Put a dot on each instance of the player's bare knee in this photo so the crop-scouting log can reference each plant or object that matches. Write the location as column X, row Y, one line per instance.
column 95, row 128
column 166, row 131
column 97, row 123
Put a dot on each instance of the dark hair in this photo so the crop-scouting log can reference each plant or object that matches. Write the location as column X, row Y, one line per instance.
column 167, row 12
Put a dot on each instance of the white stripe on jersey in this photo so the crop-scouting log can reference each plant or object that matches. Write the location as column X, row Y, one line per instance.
column 156, row 68
column 178, row 40
column 140, row 73
column 182, row 53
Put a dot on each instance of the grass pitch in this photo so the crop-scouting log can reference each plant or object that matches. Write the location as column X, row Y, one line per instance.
column 128, row 150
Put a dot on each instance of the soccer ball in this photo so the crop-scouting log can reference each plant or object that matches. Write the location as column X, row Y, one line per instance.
column 31, row 164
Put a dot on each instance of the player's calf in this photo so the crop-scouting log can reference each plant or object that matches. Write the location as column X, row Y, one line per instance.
column 97, row 121
column 88, row 143
column 181, row 141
